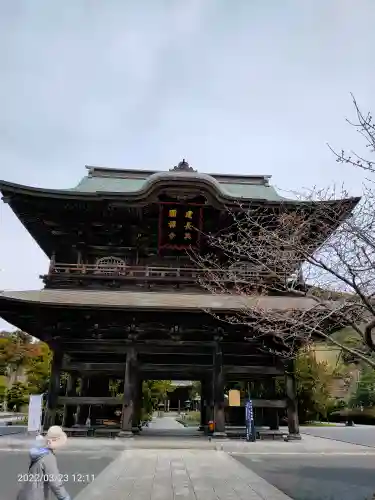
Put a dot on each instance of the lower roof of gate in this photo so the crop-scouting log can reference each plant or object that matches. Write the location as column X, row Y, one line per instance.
column 167, row 301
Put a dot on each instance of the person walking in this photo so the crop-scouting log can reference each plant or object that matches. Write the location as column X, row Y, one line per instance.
column 43, row 475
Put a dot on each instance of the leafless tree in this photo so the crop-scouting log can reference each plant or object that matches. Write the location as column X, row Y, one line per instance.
column 366, row 128
column 321, row 247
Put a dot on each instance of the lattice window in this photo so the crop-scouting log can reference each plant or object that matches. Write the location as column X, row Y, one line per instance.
column 110, row 265
column 243, row 270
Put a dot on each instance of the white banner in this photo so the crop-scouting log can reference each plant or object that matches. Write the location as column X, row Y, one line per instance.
column 35, row 413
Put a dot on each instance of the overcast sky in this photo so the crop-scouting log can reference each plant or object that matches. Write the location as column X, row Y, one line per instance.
column 245, row 86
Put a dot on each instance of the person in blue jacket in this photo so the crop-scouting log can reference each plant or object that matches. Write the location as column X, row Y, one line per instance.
column 43, row 475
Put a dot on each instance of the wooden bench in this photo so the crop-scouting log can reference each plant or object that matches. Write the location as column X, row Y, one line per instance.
column 270, row 434
column 79, row 431
column 262, row 434
column 109, row 432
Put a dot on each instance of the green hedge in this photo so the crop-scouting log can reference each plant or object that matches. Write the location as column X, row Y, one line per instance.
column 365, row 417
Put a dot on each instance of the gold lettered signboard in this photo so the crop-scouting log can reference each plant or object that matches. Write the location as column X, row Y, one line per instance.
column 234, row 398
column 179, row 226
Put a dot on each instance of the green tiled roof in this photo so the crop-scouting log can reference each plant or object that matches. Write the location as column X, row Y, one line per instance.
column 114, row 184
column 251, row 191
column 110, row 185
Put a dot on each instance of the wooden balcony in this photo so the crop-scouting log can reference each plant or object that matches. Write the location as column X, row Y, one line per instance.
column 121, row 274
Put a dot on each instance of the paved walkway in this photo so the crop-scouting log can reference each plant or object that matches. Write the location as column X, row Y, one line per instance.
column 165, row 423
column 177, row 475
column 167, row 428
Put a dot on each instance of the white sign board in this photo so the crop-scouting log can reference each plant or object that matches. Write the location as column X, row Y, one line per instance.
column 35, row 413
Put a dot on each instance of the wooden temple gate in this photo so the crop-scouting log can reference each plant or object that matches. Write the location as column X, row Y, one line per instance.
column 94, row 386
column 122, row 298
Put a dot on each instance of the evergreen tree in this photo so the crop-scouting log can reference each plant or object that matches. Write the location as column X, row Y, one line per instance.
column 365, row 391
column 312, row 379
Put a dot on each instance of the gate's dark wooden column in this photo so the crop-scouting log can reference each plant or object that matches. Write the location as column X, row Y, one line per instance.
column 219, row 413
column 291, row 401
column 204, row 404
column 210, row 398
column 53, row 390
column 69, row 410
column 137, row 400
column 129, row 391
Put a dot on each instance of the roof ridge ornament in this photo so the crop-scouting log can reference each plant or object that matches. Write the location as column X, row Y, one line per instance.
column 183, row 166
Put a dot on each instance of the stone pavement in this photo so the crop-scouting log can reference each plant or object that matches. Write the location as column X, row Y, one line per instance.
column 167, row 422
column 177, row 475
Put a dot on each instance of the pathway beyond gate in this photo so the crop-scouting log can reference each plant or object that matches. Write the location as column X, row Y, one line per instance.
column 167, row 426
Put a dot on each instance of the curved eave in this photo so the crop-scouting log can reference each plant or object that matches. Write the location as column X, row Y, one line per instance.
column 35, row 311
column 9, row 188
column 13, row 188
column 151, row 301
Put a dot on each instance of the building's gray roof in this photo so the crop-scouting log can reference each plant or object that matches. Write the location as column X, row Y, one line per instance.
column 157, row 300
column 122, row 181
column 137, row 185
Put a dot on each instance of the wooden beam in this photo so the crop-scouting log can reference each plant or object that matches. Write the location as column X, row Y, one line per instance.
column 253, row 370
column 227, row 346
column 177, row 348
column 91, row 400
column 88, row 400
column 163, row 346
column 269, row 403
column 152, row 367
column 170, row 367
column 239, row 349
column 93, row 367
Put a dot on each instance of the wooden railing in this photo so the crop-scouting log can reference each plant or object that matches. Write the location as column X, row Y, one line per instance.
column 157, row 272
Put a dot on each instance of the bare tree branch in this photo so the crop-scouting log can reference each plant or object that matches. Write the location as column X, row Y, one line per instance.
column 318, row 249
column 320, row 246
column 365, row 127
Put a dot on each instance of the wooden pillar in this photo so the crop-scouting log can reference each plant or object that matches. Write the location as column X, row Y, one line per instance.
column 128, row 398
column 210, row 411
column 52, row 262
column 69, row 410
column 53, row 390
column 83, row 410
column 219, row 413
column 137, row 399
column 291, row 400
column 204, row 403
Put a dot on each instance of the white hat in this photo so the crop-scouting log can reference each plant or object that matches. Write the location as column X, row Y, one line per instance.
column 56, row 436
